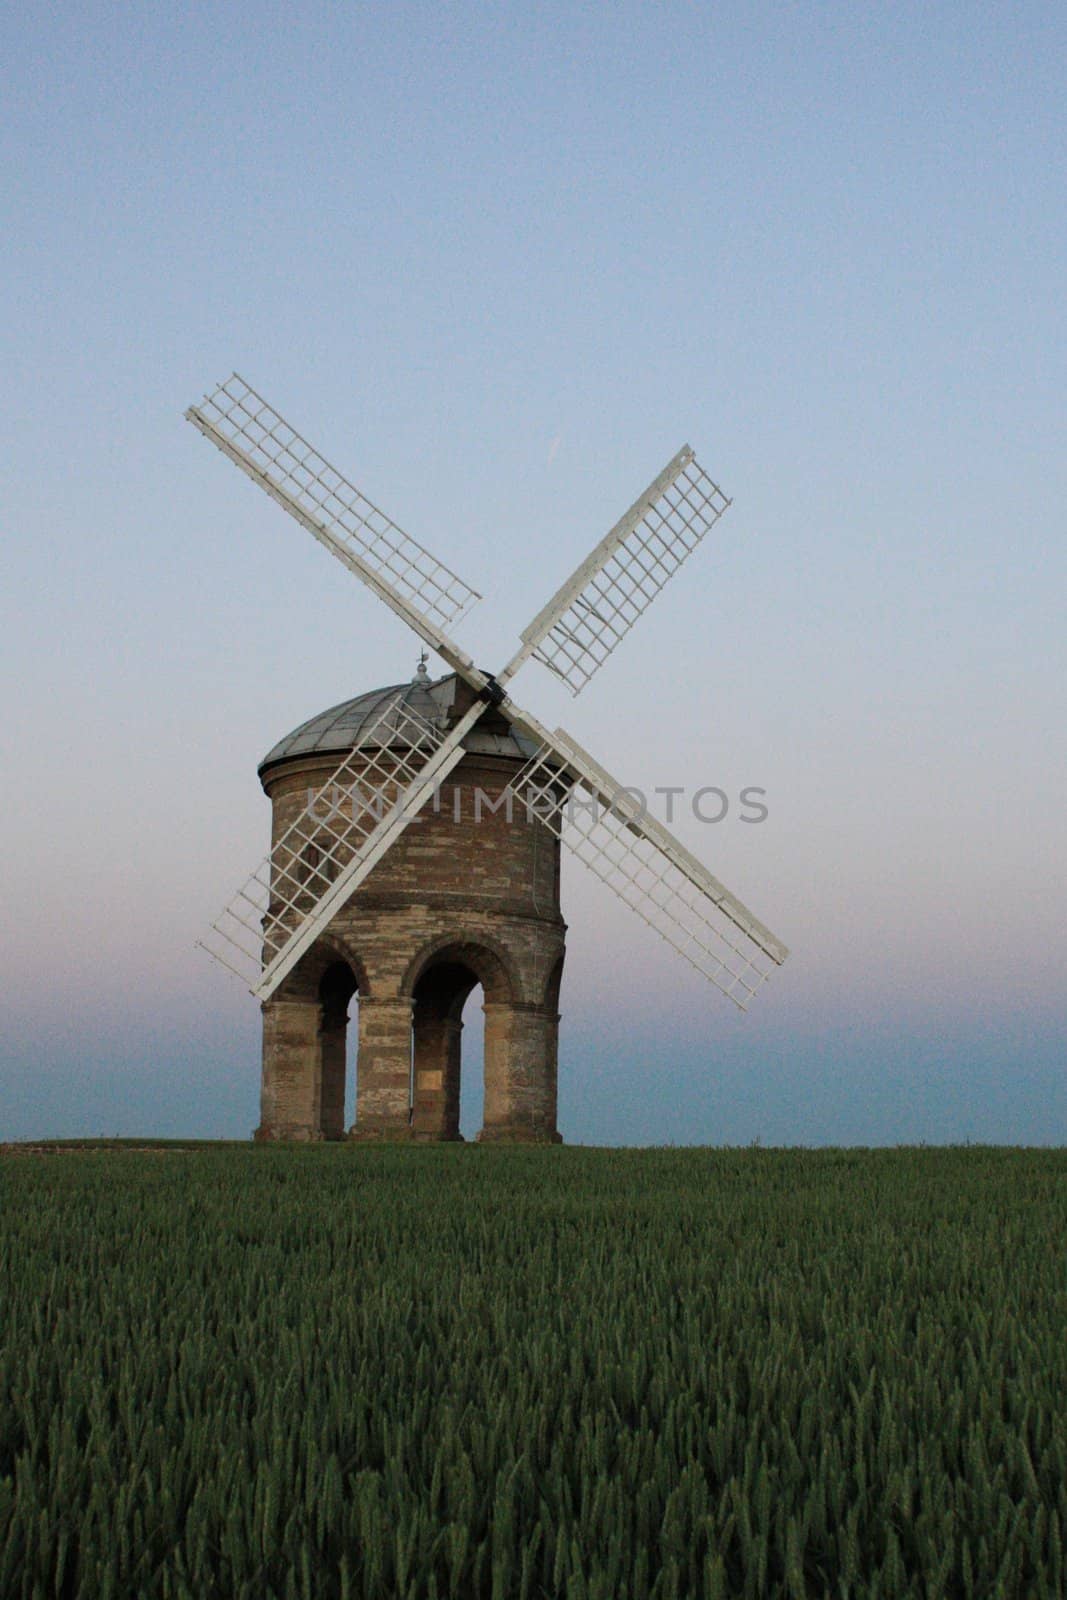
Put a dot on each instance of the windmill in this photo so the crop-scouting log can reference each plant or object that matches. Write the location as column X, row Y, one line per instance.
column 324, row 855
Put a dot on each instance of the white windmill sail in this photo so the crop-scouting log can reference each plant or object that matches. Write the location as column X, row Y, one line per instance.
column 413, row 583
column 326, row 853
column 577, row 630
column 647, row 867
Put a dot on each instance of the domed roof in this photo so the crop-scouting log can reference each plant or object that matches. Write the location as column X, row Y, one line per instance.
column 335, row 731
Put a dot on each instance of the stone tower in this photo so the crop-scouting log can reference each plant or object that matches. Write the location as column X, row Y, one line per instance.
column 467, row 895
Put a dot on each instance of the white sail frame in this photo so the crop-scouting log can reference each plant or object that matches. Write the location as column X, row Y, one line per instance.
column 324, row 855
column 589, row 615
column 644, row 864
column 421, row 590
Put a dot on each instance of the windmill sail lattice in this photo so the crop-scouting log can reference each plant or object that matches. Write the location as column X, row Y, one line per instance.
column 647, row 868
column 248, row 429
column 390, row 774
column 324, row 855
column 598, row 605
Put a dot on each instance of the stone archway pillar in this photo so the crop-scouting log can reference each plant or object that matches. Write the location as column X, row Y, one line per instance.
column 520, row 1073
column 436, row 1063
column 383, row 1081
column 290, row 1095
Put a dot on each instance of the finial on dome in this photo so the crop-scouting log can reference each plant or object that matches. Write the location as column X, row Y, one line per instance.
column 421, row 675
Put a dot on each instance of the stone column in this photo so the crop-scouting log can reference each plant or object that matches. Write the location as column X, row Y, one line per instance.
column 436, row 1063
column 383, row 1084
column 520, row 1073
column 290, row 1096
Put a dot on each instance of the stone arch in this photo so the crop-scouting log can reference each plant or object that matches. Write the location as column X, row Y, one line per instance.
column 485, row 956
column 304, row 980
column 439, row 981
column 305, row 1044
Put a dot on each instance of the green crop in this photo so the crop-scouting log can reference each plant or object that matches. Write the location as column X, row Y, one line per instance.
column 473, row 1372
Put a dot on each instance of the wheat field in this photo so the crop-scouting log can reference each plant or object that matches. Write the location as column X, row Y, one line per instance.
column 466, row 1372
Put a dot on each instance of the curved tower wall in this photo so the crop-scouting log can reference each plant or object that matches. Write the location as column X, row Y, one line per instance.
column 467, row 895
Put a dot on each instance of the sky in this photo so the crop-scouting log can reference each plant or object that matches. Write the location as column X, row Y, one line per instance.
column 499, row 263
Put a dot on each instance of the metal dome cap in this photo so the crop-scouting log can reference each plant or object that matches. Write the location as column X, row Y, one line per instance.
column 335, row 730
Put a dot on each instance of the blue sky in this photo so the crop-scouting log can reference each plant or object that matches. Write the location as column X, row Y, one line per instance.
column 499, row 263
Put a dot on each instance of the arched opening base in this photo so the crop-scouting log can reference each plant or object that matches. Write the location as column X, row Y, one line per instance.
column 410, row 1049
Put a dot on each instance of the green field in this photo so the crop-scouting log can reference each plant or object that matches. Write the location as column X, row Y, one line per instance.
column 463, row 1371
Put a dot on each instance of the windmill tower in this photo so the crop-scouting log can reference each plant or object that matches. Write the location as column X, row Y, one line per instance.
column 468, row 894
column 416, row 830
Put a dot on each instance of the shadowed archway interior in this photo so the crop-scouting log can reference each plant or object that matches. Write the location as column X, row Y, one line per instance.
column 337, row 986
column 438, row 996
column 437, row 1028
